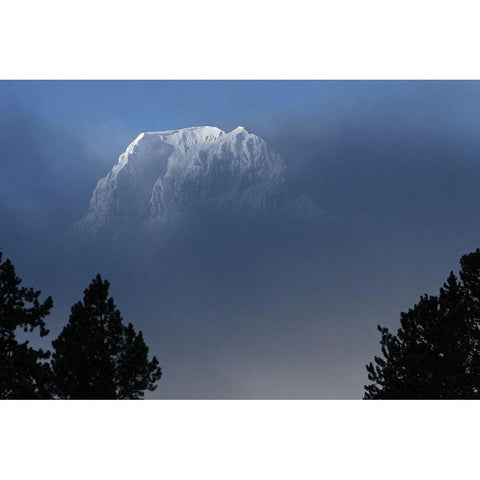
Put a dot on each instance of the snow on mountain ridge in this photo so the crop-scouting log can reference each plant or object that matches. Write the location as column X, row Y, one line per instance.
column 165, row 173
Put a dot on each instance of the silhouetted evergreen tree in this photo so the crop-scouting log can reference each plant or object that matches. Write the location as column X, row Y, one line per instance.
column 97, row 357
column 23, row 373
column 436, row 351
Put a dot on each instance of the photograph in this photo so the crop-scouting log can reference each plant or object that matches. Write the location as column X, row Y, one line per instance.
column 244, row 220
column 239, row 240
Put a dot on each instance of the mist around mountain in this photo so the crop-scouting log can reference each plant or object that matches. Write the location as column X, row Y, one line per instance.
column 224, row 281
column 220, row 267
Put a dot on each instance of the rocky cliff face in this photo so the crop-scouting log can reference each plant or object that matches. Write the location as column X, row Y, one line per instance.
column 163, row 175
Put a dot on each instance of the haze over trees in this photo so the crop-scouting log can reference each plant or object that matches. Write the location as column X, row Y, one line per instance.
column 435, row 353
column 96, row 356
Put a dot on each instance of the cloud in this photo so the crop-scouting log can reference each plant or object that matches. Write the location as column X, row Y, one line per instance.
column 406, row 153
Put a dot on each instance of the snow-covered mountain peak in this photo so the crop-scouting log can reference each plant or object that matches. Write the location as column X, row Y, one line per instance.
column 239, row 129
column 191, row 135
column 165, row 173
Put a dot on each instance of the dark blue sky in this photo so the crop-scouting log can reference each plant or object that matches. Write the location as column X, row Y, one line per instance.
column 397, row 162
column 95, row 107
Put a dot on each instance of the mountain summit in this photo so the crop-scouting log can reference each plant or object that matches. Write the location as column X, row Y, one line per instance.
column 162, row 175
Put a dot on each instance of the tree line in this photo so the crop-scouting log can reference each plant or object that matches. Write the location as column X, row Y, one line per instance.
column 96, row 355
column 435, row 353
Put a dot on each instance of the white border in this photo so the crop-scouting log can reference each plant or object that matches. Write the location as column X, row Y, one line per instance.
column 251, row 39
column 239, row 40
column 238, row 440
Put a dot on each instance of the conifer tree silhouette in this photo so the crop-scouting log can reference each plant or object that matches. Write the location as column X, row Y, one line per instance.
column 436, row 351
column 97, row 357
column 24, row 374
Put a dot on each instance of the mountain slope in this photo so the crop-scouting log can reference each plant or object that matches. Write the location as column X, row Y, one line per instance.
column 164, row 175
